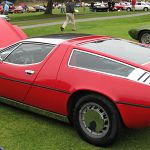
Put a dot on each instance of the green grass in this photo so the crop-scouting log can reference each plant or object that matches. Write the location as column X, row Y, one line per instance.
column 113, row 27
column 21, row 130
column 35, row 18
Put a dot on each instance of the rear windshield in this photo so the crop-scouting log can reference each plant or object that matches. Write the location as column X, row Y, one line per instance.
column 121, row 48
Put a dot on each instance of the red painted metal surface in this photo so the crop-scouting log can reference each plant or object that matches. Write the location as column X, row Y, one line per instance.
column 14, row 81
column 133, row 116
column 10, row 34
column 51, row 98
column 115, row 88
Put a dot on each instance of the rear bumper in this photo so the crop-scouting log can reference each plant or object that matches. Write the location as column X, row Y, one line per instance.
column 134, row 116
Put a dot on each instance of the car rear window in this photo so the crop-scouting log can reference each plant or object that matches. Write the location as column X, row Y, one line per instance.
column 124, row 49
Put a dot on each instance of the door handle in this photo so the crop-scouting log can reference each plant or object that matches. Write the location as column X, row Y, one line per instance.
column 29, row 72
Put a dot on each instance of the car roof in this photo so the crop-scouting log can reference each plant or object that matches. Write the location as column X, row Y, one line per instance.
column 45, row 40
column 59, row 38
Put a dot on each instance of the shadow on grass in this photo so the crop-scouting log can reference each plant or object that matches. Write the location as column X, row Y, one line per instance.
column 36, row 117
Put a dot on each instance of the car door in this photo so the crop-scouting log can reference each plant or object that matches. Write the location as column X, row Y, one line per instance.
column 45, row 92
column 138, row 6
column 19, row 66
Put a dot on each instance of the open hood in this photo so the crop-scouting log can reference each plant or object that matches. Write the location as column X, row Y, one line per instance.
column 10, row 34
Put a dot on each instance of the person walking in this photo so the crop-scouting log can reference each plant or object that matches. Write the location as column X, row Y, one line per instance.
column 133, row 4
column 6, row 8
column 109, row 5
column 92, row 7
column 69, row 15
column 83, row 6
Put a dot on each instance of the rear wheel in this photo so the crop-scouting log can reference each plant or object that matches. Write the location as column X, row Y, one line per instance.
column 145, row 9
column 144, row 37
column 96, row 120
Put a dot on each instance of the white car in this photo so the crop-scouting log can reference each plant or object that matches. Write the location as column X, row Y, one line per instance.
column 6, row 17
column 39, row 8
column 138, row 6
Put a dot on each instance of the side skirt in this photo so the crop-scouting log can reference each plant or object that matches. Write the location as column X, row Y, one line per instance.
column 34, row 109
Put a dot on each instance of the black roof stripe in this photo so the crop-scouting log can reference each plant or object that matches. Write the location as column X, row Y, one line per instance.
column 64, row 36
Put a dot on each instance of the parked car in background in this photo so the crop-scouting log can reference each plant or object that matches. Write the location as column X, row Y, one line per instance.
column 141, row 34
column 31, row 9
column 138, row 6
column 100, row 7
column 78, row 5
column 121, row 5
column 39, row 8
column 18, row 9
column 11, row 9
column 87, row 5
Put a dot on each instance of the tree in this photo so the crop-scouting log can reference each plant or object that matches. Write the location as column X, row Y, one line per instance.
column 49, row 7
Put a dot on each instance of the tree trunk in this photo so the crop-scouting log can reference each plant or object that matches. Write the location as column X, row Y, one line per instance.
column 49, row 7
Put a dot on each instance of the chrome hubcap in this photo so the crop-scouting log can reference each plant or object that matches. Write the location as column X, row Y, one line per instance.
column 94, row 120
column 145, row 38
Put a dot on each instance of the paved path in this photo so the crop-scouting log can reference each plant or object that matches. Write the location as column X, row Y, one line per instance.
column 85, row 20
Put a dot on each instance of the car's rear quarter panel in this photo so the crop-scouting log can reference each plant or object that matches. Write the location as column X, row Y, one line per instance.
column 117, row 89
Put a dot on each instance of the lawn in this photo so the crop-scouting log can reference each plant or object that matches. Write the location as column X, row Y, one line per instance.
column 21, row 130
column 40, row 17
column 113, row 27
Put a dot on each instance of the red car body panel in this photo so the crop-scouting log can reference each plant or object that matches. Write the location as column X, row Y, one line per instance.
column 105, row 87
column 55, row 99
column 18, row 81
column 10, row 34
column 134, row 116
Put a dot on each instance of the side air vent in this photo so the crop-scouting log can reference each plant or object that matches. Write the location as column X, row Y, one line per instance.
column 145, row 78
column 140, row 75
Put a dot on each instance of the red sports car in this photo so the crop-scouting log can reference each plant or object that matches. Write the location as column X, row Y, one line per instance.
column 98, row 83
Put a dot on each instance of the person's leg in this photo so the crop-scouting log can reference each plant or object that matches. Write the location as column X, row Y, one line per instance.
column 72, row 19
column 65, row 23
column 63, row 10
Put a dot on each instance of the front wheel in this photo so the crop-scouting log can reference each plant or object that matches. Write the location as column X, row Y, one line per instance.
column 144, row 37
column 128, row 9
column 96, row 120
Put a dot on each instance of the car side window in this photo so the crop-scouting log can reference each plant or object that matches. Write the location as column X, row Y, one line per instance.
column 29, row 53
column 93, row 62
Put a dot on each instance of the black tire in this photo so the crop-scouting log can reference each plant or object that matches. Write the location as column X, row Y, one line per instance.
column 128, row 9
column 96, row 120
column 145, row 9
column 144, row 37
